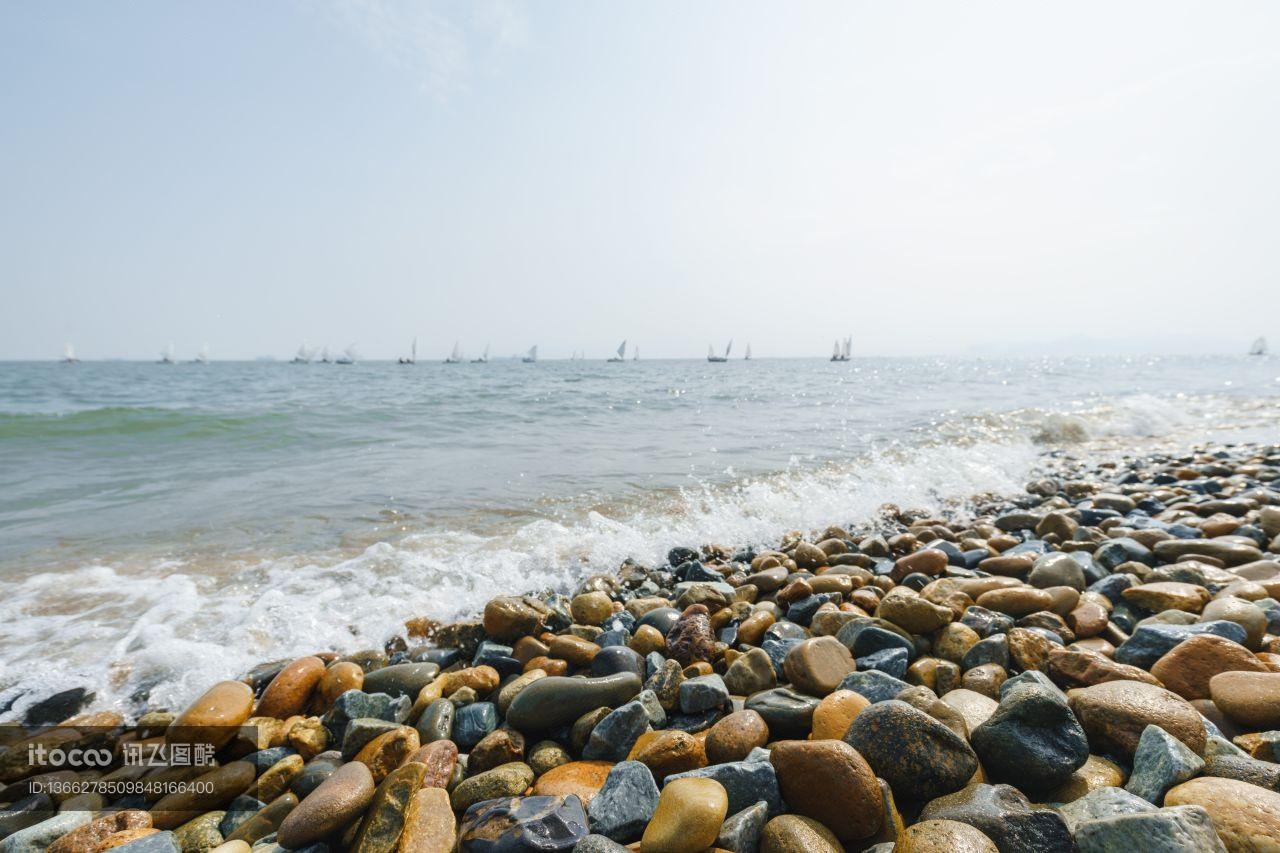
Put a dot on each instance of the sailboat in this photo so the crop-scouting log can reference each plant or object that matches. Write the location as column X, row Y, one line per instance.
column 303, row 355
column 1259, row 347
column 747, row 357
column 166, row 354
column 622, row 353
column 635, row 356
column 348, row 356
column 202, row 357
column 413, row 354
column 69, row 355
column 719, row 359
column 324, row 355
column 455, row 357
column 531, row 356
column 484, row 359
column 840, row 352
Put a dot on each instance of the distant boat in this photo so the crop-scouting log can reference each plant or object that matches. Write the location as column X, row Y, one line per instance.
column 166, row 354
column 531, row 356
column 324, row 356
column 348, row 356
column 1259, row 347
column 484, row 359
column 747, row 357
column 303, row 355
column 840, row 352
column 719, row 359
column 69, row 355
column 202, row 357
column 413, row 354
column 577, row 356
column 622, row 353
column 636, row 355
column 455, row 357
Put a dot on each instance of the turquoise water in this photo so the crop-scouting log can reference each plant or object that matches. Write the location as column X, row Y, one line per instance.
column 163, row 525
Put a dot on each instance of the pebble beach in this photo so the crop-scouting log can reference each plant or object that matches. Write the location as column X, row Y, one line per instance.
column 1092, row 664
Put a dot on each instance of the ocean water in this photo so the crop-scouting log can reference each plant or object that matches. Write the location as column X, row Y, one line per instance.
column 165, row 526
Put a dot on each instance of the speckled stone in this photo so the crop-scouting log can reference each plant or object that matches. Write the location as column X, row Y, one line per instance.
column 1005, row 816
column 520, row 824
column 1160, row 762
column 1182, row 829
column 918, row 756
column 625, row 804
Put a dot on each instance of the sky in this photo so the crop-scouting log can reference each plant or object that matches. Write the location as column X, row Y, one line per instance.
column 926, row 177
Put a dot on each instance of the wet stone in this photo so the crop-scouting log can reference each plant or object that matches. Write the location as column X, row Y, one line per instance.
column 623, row 806
column 917, row 755
column 741, row 831
column 1181, row 829
column 1160, row 762
column 472, row 723
column 875, row 686
column 1005, row 816
column 788, row 714
column 1101, row 803
column 520, row 824
column 702, row 694
column 746, row 782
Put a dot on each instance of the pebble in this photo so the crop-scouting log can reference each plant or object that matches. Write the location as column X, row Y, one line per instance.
column 213, row 717
column 740, row 832
column 688, row 816
column 625, row 803
column 790, row 833
column 336, row 802
column 1032, row 739
column 1249, row 699
column 1160, row 762
column 917, row 755
column 582, row 779
column 830, row 782
column 556, row 701
column 817, row 666
column 943, row 836
column 786, row 712
column 1100, row 803
column 745, row 782
column 671, row 751
column 511, row 824
column 1246, row 817
column 734, row 736
column 835, row 713
column 1115, row 714
column 428, row 823
column 1182, row 829
column 509, row 780
column 1004, row 815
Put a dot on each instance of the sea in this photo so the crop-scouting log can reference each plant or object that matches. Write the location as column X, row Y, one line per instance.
column 165, row 526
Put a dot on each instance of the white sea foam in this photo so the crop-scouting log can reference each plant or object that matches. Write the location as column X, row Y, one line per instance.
column 167, row 633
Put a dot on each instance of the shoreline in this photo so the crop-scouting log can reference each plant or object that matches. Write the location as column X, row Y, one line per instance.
column 903, row 680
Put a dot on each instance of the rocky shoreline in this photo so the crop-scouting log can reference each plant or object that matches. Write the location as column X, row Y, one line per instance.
column 1092, row 665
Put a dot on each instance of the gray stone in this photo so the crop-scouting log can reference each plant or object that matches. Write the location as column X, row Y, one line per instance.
column 362, row 730
column 740, row 832
column 598, row 844
column 874, row 686
column 1179, row 829
column 652, row 707
column 1100, row 803
column 1006, row 817
column 241, row 809
column 613, row 737
column 1160, row 762
column 402, row 679
column 1032, row 740
column 1057, row 569
column 623, row 806
column 746, row 782
column 160, row 842
column 1154, row 640
column 916, row 754
column 788, row 714
column 35, row 838
column 702, row 694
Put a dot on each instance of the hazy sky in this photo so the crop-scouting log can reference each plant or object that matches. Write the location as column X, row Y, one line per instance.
column 927, row 177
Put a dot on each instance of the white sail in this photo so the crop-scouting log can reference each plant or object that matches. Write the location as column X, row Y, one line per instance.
column 622, row 349
column 835, row 349
column 636, row 354
column 303, row 355
column 69, row 353
column 456, row 355
column 166, row 354
column 532, row 356
column 729, row 347
column 413, row 350
column 348, row 356
column 202, row 357
column 848, row 345
column 1259, row 347
column 711, row 352
column 747, row 357
column 324, row 355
